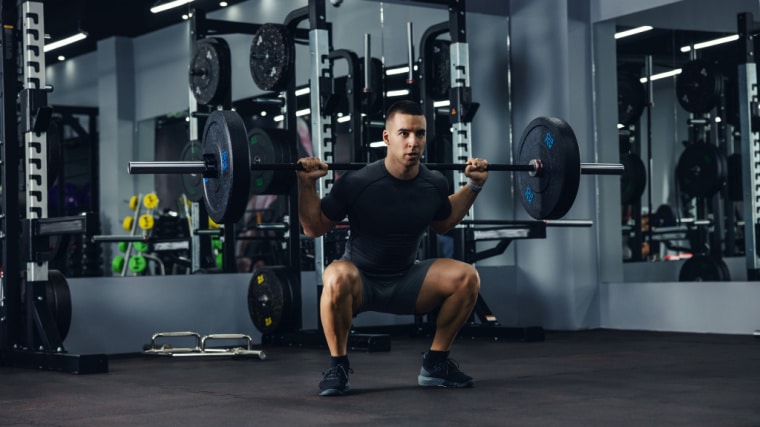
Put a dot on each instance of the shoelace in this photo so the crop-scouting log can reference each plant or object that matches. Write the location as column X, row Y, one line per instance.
column 334, row 372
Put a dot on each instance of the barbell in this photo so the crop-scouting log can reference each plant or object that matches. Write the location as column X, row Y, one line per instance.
column 548, row 152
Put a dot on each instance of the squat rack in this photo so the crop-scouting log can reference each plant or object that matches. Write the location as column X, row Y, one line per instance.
column 29, row 329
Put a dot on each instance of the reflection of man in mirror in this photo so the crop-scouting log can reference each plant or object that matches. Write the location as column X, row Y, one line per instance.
column 263, row 209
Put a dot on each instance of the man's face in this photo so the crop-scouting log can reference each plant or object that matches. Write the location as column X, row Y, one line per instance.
column 404, row 135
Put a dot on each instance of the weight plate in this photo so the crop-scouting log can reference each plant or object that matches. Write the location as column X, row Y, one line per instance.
column 271, row 57
column 550, row 194
column 441, row 78
column 270, row 300
column 117, row 264
column 192, row 183
column 701, row 170
column 138, row 263
column 150, row 201
column 210, row 70
column 270, row 146
column 632, row 97
column 633, row 182
column 704, row 268
column 698, row 86
column 226, row 195
column 146, row 222
column 58, row 297
column 664, row 216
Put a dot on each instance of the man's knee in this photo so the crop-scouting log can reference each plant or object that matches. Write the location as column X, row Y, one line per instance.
column 340, row 277
column 470, row 279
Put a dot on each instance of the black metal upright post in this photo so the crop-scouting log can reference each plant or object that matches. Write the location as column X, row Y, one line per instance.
column 10, row 280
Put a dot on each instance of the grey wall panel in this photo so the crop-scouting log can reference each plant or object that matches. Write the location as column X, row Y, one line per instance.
column 551, row 63
column 700, row 307
column 74, row 81
column 119, row 315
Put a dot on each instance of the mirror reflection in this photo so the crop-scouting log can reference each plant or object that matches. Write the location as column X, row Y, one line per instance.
column 678, row 123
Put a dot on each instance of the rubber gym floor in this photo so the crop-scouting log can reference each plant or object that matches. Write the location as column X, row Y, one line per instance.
column 585, row 378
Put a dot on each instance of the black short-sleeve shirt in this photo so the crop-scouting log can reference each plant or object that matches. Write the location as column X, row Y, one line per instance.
column 388, row 216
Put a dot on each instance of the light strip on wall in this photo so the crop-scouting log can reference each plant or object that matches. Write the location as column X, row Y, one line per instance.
column 64, row 42
column 303, row 91
column 633, row 31
column 709, row 43
column 169, row 5
column 395, row 71
column 440, row 104
column 393, row 93
column 377, row 144
column 662, row 75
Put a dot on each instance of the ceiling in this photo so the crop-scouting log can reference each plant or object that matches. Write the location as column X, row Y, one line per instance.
column 102, row 19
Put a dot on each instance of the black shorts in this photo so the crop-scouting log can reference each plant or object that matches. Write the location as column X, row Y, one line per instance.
column 394, row 293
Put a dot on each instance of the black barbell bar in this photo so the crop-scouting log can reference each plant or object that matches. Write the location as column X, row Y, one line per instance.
column 207, row 169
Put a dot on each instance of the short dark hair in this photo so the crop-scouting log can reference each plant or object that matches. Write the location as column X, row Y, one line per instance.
column 404, row 107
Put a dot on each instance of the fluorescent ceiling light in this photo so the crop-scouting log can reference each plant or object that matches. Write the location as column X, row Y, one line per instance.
column 401, row 92
column 169, row 5
column 394, row 71
column 64, row 42
column 709, row 43
column 633, row 31
column 439, row 104
column 377, row 144
column 343, row 119
column 662, row 75
column 303, row 112
column 303, row 91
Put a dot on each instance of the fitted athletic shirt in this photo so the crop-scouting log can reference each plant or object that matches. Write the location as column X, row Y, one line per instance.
column 388, row 215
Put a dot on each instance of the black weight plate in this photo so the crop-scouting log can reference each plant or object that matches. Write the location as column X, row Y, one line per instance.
column 704, row 268
column 271, row 56
column 374, row 99
column 270, row 299
column 270, row 146
column 701, row 170
column 698, row 86
column 664, row 216
column 209, row 70
column 58, row 297
column 632, row 98
column 192, row 183
column 550, row 194
column 226, row 195
column 734, row 178
column 441, row 78
column 633, row 182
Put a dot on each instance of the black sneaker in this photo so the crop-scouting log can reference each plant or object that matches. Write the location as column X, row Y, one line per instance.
column 335, row 381
column 444, row 374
